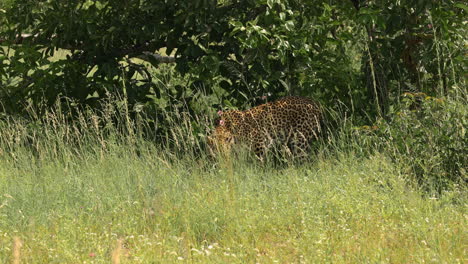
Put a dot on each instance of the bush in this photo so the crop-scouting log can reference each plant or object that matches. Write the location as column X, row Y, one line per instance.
column 428, row 138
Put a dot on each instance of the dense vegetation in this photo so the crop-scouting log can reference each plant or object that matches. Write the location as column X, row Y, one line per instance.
column 82, row 188
column 361, row 58
column 105, row 107
column 364, row 55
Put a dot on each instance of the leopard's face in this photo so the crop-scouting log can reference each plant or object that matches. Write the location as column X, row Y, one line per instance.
column 222, row 138
column 290, row 121
column 220, row 141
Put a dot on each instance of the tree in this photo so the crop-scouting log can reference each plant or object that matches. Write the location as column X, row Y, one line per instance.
column 411, row 45
column 237, row 50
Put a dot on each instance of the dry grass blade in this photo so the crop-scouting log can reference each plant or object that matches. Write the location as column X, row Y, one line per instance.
column 117, row 252
column 17, row 244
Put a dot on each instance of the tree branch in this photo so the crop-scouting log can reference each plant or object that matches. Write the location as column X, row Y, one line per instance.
column 141, row 51
column 148, row 56
column 19, row 39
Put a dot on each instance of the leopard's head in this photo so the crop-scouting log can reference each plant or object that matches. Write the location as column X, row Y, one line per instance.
column 222, row 138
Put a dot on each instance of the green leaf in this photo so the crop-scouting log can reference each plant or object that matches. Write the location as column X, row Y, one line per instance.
column 289, row 25
column 462, row 6
column 282, row 16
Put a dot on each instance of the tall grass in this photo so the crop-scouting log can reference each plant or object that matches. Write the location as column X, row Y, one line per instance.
column 99, row 189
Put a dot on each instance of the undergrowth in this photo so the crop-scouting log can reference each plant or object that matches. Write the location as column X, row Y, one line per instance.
column 71, row 188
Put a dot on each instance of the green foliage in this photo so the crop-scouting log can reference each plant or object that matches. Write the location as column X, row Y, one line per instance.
column 355, row 57
column 237, row 51
column 286, row 48
column 5, row 3
column 113, row 143
column 414, row 46
column 248, row 48
column 428, row 137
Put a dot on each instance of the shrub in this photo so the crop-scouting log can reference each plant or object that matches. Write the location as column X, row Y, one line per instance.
column 428, row 138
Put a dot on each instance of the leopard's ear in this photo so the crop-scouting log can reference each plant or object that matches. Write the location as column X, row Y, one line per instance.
column 219, row 121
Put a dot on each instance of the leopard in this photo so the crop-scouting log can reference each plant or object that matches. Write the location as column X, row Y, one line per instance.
column 290, row 123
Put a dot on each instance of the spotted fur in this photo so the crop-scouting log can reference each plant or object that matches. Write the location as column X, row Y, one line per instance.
column 290, row 122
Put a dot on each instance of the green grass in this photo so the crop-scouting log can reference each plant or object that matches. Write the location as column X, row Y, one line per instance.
column 70, row 203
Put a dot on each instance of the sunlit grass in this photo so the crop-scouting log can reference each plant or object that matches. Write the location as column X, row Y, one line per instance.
column 71, row 203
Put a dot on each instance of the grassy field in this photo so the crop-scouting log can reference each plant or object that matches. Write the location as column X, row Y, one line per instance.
column 128, row 200
column 126, row 182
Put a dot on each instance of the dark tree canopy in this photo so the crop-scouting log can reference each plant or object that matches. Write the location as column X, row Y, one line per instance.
column 361, row 53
